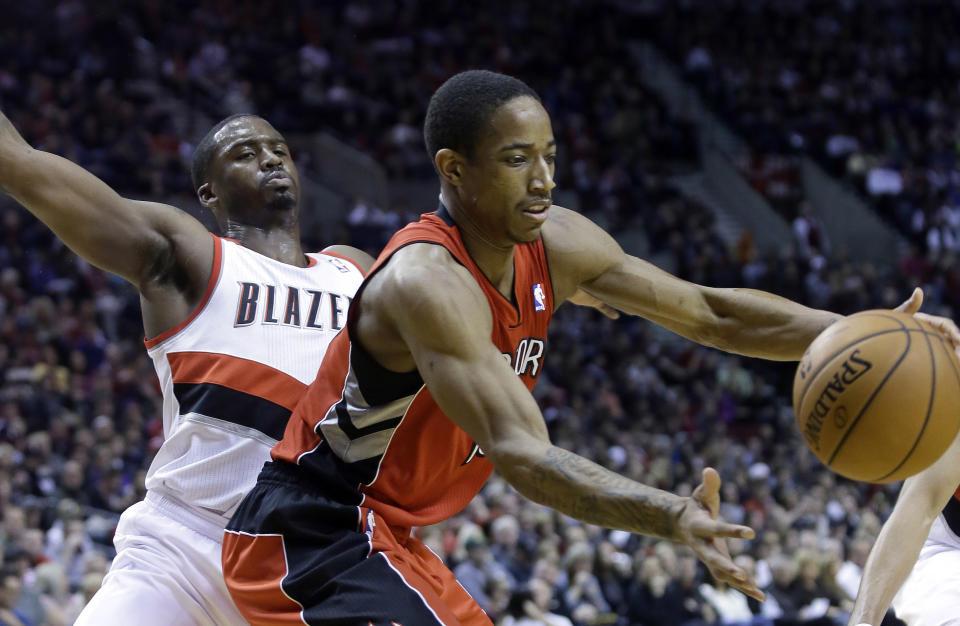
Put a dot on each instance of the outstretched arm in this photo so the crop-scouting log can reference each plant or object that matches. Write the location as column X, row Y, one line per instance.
column 921, row 499
column 746, row 321
column 140, row 241
column 439, row 313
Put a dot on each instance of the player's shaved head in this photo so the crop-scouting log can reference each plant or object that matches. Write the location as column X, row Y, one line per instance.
column 460, row 109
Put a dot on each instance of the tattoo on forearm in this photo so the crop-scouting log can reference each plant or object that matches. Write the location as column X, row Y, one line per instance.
column 584, row 490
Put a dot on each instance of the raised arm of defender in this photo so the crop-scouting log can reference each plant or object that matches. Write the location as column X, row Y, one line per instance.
column 140, row 241
column 920, row 501
column 426, row 310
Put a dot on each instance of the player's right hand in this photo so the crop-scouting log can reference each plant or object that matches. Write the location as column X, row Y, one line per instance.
column 699, row 527
column 945, row 326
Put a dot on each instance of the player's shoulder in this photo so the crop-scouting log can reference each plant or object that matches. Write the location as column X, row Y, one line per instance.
column 358, row 258
column 426, row 291
column 168, row 219
column 423, row 275
column 565, row 225
column 562, row 216
column 574, row 243
column 424, row 267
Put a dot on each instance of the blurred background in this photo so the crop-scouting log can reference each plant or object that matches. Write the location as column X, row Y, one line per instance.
column 808, row 148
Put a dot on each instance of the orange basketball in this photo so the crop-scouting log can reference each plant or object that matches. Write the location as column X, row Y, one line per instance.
column 877, row 396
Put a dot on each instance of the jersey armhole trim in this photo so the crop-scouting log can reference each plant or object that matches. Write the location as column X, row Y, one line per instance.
column 214, row 278
column 347, row 259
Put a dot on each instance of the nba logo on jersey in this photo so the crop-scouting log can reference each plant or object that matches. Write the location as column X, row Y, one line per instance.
column 538, row 298
column 337, row 263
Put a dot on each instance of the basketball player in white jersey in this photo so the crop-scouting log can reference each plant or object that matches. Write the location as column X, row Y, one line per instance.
column 236, row 326
column 918, row 552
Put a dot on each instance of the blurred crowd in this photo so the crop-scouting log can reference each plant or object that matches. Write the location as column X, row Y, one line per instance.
column 869, row 88
column 113, row 87
column 110, row 82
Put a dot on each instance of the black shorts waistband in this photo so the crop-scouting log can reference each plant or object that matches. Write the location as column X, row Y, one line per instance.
column 286, row 473
column 283, row 471
column 289, row 474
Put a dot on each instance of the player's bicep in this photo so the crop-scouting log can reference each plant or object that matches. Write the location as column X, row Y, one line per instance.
column 110, row 231
column 587, row 257
column 446, row 326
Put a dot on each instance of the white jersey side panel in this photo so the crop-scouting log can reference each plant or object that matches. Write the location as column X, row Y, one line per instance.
column 232, row 373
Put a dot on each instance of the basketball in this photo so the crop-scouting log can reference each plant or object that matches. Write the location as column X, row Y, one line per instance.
column 877, row 396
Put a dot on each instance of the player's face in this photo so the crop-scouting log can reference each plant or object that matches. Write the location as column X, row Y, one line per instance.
column 508, row 182
column 252, row 172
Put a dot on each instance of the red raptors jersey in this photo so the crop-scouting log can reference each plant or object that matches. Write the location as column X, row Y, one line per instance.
column 374, row 437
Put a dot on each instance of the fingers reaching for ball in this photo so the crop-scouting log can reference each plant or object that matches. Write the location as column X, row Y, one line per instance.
column 707, row 492
column 945, row 326
column 912, row 304
column 700, row 528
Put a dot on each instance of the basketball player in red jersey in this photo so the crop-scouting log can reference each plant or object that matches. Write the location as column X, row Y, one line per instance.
column 238, row 326
column 428, row 390
column 915, row 563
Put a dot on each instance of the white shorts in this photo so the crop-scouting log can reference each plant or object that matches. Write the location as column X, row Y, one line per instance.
column 931, row 594
column 167, row 571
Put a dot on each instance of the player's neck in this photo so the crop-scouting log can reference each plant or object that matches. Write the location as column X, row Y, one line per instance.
column 280, row 244
column 494, row 260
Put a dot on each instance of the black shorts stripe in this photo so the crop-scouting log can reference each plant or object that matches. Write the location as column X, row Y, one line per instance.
column 232, row 406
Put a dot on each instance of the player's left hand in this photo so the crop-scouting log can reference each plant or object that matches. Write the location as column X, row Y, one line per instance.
column 701, row 529
column 943, row 325
column 582, row 298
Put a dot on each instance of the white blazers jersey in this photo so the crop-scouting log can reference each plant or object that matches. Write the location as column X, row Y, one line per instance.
column 233, row 371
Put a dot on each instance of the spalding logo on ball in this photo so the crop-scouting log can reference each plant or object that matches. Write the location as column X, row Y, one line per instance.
column 837, row 380
column 877, row 396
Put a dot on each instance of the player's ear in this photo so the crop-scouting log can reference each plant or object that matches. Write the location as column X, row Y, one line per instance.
column 449, row 165
column 207, row 196
column 209, row 200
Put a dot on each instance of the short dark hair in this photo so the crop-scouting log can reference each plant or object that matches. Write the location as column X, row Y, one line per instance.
column 460, row 109
column 203, row 153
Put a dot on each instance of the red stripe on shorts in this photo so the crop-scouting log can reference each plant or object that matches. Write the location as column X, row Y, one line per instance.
column 424, row 573
column 258, row 593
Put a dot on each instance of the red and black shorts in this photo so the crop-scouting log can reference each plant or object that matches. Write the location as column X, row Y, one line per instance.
column 291, row 555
